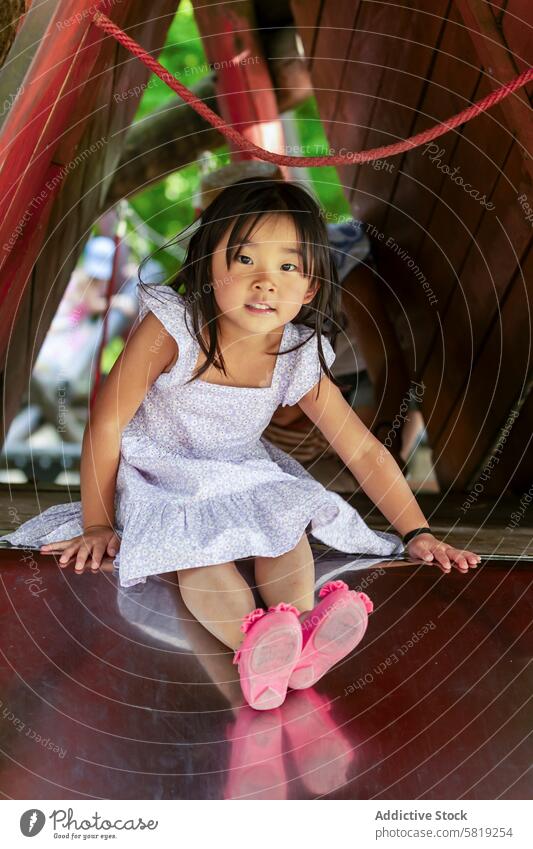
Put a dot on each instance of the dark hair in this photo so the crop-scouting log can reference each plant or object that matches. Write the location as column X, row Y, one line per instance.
column 242, row 205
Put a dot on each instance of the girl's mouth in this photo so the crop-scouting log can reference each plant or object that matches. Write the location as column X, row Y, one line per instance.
column 257, row 310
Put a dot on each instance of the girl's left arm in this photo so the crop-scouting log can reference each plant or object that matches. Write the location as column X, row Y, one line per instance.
column 378, row 474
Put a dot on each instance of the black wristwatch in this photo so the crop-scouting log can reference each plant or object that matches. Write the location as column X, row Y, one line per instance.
column 411, row 534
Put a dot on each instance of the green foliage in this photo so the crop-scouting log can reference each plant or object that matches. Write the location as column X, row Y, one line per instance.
column 313, row 139
column 111, row 353
column 183, row 55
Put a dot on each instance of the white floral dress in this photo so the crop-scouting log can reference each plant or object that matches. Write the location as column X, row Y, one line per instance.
column 197, row 484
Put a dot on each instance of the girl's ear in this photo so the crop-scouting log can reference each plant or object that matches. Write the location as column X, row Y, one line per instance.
column 311, row 292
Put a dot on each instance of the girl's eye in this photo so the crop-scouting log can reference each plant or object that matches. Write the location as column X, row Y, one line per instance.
column 246, row 260
column 283, row 267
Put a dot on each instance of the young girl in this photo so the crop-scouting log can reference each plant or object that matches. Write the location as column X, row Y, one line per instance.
column 175, row 472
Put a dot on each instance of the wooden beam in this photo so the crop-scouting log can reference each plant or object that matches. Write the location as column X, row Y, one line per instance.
column 244, row 86
column 498, row 63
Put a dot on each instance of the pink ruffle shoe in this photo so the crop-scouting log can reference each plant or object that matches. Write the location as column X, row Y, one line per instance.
column 331, row 631
column 268, row 654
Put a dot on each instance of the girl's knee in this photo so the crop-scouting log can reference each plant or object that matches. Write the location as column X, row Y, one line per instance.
column 302, row 546
column 204, row 576
column 300, row 552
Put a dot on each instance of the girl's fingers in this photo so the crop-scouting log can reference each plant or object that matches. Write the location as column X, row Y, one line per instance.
column 473, row 559
column 442, row 558
column 463, row 560
column 85, row 556
column 68, row 553
column 459, row 561
column 81, row 560
column 420, row 551
column 435, row 554
column 97, row 554
column 53, row 547
column 113, row 546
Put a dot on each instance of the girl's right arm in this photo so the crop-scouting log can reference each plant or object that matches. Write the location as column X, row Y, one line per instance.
column 148, row 352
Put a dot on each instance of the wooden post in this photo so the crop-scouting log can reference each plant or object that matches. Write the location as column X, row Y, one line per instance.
column 246, row 97
column 498, row 63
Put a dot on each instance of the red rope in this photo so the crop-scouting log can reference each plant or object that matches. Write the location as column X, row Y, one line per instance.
column 103, row 22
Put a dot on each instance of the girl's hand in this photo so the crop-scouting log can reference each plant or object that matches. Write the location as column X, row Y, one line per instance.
column 427, row 547
column 95, row 542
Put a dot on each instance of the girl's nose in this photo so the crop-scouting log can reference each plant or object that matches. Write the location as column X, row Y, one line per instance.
column 263, row 282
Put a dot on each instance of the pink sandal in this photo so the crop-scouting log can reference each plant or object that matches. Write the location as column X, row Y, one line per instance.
column 331, row 631
column 268, row 654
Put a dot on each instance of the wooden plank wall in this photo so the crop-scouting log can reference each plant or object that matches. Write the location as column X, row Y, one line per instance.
column 80, row 200
column 383, row 72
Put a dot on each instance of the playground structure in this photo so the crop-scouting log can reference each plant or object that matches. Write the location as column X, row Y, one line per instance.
column 454, row 254
column 455, row 271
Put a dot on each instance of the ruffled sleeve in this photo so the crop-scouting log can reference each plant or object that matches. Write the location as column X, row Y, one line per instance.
column 306, row 371
column 167, row 305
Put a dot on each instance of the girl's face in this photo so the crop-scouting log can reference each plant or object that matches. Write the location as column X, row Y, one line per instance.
column 267, row 269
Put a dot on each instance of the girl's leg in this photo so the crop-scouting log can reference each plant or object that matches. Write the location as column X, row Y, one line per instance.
column 219, row 597
column 210, row 653
column 289, row 577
